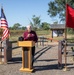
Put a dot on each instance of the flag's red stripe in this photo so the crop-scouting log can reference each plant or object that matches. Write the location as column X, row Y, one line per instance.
column 4, row 25
column 4, row 20
column 5, row 34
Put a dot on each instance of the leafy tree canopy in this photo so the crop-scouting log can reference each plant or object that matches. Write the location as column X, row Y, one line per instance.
column 16, row 26
column 35, row 21
column 57, row 8
column 45, row 25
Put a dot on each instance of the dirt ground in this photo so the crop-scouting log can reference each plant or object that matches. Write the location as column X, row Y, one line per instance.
column 46, row 62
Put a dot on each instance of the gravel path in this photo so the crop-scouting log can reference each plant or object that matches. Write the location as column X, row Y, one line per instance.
column 45, row 62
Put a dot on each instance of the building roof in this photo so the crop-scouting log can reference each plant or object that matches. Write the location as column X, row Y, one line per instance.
column 57, row 26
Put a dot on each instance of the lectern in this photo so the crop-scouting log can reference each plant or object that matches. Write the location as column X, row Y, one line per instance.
column 26, row 55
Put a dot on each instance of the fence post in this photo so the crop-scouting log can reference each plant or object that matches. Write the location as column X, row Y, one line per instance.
column 42, row 41
column 60, row 54
column 37, row 44
column 5, row 51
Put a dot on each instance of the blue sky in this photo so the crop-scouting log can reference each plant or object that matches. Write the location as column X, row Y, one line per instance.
column 21, row 11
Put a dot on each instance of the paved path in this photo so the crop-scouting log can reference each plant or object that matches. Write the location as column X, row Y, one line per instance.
column 45, row 62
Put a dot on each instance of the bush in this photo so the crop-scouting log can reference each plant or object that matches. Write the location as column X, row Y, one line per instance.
column 70, row 31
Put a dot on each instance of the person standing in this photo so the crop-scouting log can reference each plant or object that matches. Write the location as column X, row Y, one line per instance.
column 30, row 35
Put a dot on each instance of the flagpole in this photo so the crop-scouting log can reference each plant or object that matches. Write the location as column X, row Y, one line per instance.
column 1, row 36
column 65, row 51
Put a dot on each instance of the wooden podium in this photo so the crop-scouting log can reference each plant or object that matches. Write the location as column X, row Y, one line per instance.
column 26, row 55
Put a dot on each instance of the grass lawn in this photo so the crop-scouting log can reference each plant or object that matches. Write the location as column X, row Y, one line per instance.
column 46, row 33
column 17, row 33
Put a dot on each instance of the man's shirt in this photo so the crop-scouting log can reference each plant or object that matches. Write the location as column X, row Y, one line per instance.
column 32, row 37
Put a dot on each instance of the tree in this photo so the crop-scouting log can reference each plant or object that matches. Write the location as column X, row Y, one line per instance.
column 16, row 26
column 57, row 8
column 36, row 21
column 23, row 28
column 45, row 26
column 56, row 22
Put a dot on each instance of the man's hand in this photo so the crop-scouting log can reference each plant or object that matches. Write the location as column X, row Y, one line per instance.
column 28, row 35
column 32, row 34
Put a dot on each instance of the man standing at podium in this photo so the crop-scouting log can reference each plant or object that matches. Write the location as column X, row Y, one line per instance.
column 30, row 35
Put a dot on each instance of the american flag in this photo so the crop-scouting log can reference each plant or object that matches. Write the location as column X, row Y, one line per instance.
column 4, row 25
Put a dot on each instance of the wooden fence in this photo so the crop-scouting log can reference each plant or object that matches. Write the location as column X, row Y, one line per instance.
column 61, row 50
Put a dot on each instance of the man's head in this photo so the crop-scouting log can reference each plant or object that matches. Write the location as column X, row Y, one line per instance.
column 29, row 28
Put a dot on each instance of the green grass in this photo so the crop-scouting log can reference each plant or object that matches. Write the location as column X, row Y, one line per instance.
column 43, row 32
column 14, row 34
column 46, row 33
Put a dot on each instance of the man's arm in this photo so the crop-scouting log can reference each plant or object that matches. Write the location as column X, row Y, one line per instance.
column 25, row 36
